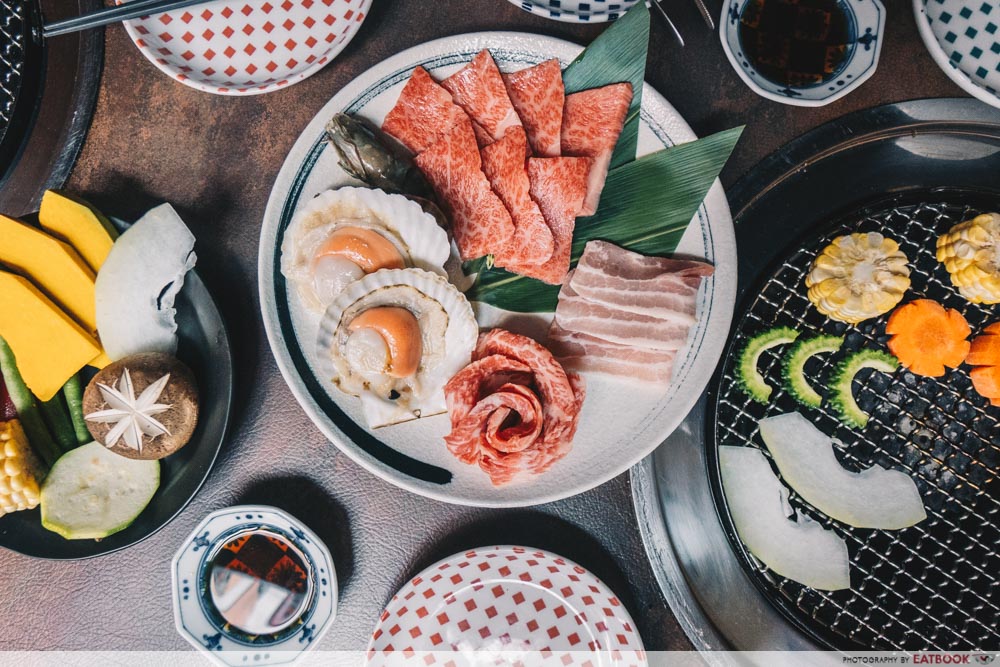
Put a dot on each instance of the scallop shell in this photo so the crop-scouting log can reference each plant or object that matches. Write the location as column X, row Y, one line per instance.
column 425, row 242
column 460, row 338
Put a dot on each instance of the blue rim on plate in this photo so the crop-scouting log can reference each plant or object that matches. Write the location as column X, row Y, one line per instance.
column 963, row 37
column 200, row 624
column 868, row 18
column 572, row 11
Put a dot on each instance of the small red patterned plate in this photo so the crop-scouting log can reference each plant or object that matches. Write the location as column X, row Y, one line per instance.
column 507, row 604
column 247, row 47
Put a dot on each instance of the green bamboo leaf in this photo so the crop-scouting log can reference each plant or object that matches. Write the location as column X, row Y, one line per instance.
column 646, row 206
column 617, row 55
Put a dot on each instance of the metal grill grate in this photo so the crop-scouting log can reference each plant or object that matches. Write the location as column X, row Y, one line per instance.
column 12, row 51
column 936, row 585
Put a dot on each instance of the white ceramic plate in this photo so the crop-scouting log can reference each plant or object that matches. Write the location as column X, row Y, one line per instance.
column 573, row 11
column 620, row 423
column 963, row 37
column 247, row 47
column 501, row 601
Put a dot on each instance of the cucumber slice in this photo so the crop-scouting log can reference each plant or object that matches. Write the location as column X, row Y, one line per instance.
column 794, row 368
column 750, row 379
column 91, row 492
column 842, row 383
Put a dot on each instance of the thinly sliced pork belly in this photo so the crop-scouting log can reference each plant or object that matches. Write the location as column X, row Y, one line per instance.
column 617, row 261
column 479, row 89
column 592, row 121
column 587, row 354
column 504, row 166
column 575, row 313
column 423, row 112
column 538, row 96
column 558, row 185
column 656, row 286
column 480, row 221
column 668, row 297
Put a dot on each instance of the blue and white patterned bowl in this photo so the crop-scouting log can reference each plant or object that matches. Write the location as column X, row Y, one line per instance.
column 963, row 37
column 868, row 17
column 195, row 615
column 573, row 11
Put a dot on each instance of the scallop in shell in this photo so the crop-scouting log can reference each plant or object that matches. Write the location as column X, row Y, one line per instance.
column 394, row 338
column 342, row 235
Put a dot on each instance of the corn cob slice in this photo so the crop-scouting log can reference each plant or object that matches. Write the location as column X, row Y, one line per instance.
column 970, row 251
column 857, row 277
column 20, row 470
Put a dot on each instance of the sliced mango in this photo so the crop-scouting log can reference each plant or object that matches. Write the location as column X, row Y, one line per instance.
column 78, row 224
column 53, row 266
column 48, row 345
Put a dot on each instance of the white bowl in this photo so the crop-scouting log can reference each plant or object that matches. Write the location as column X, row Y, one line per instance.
column 972, row 33
column 869, row 23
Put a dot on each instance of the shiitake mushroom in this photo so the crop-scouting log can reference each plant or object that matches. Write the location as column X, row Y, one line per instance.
column 180, row 393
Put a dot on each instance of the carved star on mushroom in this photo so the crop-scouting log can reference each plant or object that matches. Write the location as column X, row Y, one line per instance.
column 132, row 417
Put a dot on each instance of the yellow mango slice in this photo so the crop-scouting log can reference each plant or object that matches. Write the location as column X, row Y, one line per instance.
column 77, row 224
column 48, row 345
column 53, row 266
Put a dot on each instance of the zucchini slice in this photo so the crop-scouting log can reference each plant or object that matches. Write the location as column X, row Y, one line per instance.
column 793, row 370
column 842, row 383
column 91, row 492
column 750, row 379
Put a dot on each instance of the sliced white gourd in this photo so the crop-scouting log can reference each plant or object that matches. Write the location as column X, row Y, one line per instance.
column 873, row 498
column 91, row 492
column 799, row 549
column 138, row 282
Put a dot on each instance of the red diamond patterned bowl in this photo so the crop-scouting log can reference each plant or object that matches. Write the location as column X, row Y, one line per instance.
column 506, row 605
column 247, row 47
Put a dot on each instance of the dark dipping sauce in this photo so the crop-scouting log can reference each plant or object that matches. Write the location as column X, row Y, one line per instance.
column 797, row 43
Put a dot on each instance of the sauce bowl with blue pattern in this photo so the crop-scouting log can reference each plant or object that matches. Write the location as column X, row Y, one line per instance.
column 785, row 61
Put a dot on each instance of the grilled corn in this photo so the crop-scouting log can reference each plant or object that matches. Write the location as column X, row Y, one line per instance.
column 857, row 277
column 20, row 470
column 970, row 251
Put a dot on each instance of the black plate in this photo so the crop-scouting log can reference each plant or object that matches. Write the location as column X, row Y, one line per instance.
column 204, row 347
column 944, row 151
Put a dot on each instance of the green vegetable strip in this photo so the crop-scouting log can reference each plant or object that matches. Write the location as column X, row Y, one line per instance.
column 616, row 56
column 73, row 392
column 28, row 412
column 57, row 418
column 646, row 206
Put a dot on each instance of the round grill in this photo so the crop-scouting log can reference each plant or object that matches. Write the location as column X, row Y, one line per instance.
column 933, row 586
column 12, row 31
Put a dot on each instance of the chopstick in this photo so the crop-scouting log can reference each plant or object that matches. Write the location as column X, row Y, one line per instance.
column 106, row 15
column 705, row 14
column 666, row 17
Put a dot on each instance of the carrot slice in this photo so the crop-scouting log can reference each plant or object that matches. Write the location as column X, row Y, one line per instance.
column 984, row 351
column 993, row 329
column 986, row 380
column 926, row 337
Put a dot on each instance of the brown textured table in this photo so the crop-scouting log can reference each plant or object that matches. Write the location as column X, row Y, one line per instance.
column 215, row 159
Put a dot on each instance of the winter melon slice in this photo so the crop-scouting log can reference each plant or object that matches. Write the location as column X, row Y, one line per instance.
column 799, row 549
column 873, row 498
